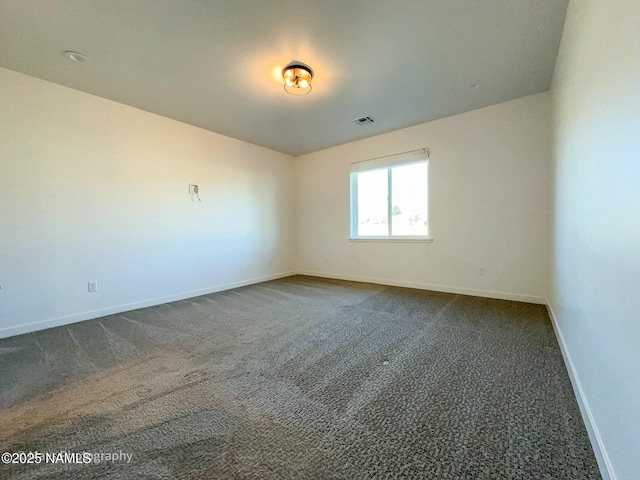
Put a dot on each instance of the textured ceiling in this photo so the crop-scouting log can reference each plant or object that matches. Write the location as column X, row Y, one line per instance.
column 216, row 64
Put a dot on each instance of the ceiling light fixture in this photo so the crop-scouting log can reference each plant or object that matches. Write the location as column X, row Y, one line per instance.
column 297, row 78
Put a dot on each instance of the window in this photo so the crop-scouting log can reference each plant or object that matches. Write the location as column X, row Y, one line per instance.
column 389, row 198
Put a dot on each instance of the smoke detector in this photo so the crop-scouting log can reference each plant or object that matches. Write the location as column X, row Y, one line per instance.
column 75, row 56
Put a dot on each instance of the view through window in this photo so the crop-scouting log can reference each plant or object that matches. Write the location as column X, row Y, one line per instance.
column 390, row 202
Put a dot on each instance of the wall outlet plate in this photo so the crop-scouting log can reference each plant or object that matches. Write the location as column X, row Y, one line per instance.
column 92, row 286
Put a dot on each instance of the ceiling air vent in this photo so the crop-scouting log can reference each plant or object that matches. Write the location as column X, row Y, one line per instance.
column 363, row 120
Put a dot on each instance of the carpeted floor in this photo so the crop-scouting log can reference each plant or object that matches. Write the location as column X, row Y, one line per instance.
column 298, row 378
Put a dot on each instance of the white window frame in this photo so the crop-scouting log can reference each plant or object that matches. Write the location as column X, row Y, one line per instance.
column 388, row 163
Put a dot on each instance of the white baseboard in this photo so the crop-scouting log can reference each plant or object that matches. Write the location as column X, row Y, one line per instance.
column 599, row 450
column 425, row 286
column 79, row 317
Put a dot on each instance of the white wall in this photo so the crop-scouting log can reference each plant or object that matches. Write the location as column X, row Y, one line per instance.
column 94, row 190
column 490, row 205
column 596, row 257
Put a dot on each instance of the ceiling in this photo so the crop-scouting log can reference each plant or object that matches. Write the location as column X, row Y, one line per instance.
column 216, row 63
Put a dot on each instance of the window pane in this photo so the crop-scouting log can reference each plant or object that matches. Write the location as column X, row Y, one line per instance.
column 409, row 202
column 373, row 218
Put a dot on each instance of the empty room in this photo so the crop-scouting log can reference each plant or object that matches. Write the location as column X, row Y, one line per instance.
column 357, row 239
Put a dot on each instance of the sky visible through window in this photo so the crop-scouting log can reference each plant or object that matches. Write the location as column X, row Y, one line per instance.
column 408, row 205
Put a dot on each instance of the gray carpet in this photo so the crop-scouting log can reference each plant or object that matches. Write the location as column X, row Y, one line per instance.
column 299, row 378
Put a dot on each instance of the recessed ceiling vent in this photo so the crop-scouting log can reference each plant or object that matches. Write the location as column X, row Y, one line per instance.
column 363, row 120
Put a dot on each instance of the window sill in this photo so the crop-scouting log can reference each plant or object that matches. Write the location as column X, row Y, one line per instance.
column 392, row 239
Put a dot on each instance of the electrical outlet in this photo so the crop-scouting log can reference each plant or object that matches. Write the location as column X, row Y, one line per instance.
column 92, row 286
column 481, row 271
